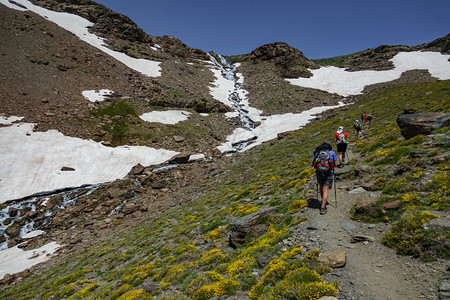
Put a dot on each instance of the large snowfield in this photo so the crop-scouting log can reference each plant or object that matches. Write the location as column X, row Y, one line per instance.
column 32, row 162
column 337, row 80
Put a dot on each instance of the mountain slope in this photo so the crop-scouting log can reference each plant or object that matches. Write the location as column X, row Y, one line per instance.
column 171, row 249
column 168, row 232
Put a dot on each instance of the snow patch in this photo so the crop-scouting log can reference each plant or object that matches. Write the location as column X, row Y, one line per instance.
column 270, row 127
column 79, row 26
column 96, row 96
column 32, row 163
column 337, row 80
column 14, row 260
column 33, row 234
column 194, row 157
column 9, row 120
column 166, row 117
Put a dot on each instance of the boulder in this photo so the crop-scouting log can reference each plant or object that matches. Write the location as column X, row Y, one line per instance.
column 333, row 258
column 181, row 158
column 364, row 203
column 178, row 138
column 129, row 208
column 115, row 192
column 137, row 170
column 391, row 205
column 241, row 227
column 359, row 190
column 438, row 223
column 412, row 125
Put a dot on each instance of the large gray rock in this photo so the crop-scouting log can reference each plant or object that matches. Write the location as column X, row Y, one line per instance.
column 241, row 227
column 439, row 223
column 421, row 123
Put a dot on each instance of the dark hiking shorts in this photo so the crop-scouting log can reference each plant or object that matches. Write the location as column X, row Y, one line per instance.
column 325, row 178
column 341, row 147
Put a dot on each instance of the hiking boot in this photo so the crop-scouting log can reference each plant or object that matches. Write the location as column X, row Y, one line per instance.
column 323, row 210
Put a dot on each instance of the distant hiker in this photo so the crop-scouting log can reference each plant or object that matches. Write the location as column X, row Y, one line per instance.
column 358, row 129
column 324, row 161
column 341, row 139
column 362, row 117
column 366, row 118
column 369, row 118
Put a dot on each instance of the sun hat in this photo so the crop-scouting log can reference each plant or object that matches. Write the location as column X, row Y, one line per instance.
column 340, row 129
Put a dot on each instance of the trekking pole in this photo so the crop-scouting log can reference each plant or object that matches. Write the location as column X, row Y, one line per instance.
column 335, row 199
column 317, row 189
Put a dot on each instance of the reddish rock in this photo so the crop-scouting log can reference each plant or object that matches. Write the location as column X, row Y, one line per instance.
column 333, row 258
column 391, row 205
column 364, row 203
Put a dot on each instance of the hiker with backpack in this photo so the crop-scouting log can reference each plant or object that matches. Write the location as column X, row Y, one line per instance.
column 369, row 118
column 358, row 129
column 324, row 161
column 341, row 139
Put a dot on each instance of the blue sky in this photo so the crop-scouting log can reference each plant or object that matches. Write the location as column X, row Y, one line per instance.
column 318, row 28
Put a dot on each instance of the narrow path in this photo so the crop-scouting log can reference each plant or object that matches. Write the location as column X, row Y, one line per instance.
column 373, row 271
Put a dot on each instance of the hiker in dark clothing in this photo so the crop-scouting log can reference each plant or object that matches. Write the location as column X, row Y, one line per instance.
column 324, row 160
column 358, row 129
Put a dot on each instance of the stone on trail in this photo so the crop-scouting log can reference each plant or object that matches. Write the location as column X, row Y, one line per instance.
column 327, row 298
column 343, row 170
column 333, row 258
column 348, row 226
column 362, row 238
column 317, row 225
column 359, row 190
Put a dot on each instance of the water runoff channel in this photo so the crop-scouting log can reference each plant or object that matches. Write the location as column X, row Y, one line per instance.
column 228, row 71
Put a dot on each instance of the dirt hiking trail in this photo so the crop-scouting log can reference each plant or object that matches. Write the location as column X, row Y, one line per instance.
column 372, row 271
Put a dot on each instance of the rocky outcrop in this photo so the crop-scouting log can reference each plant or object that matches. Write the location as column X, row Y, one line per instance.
column 374, row 59
column 441, row 44
column 289, row 61
column 412, row 125
column 240, row 228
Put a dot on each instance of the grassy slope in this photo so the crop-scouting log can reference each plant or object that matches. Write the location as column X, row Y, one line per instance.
column 184, row 253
